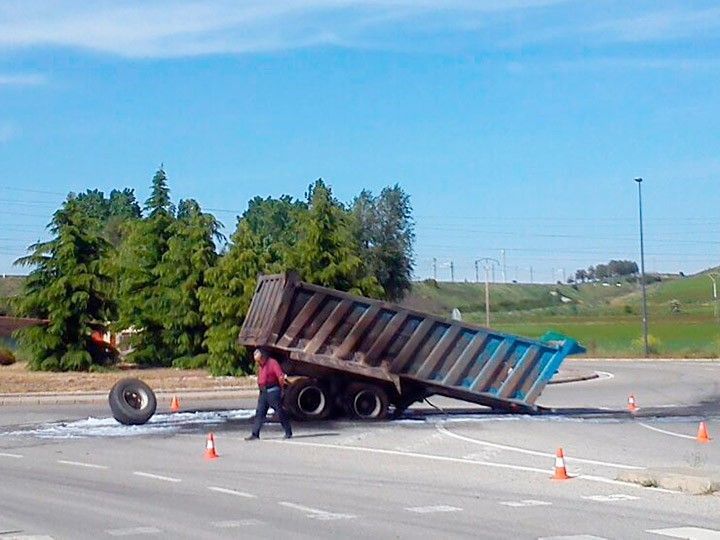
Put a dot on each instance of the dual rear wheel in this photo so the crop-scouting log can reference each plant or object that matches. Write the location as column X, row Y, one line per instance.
column 313, row 399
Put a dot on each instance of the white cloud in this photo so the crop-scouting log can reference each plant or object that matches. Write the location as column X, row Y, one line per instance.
column 163, row 29
column 21, row 79
column 156, row 28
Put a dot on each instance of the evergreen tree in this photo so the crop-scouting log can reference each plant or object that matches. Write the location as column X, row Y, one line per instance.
column 140, row 299
column 226, row 298
column 275, row 223
column 159, row 202
column 327, row 252
column 182, row 272
column 69, row 286
column 384, row 229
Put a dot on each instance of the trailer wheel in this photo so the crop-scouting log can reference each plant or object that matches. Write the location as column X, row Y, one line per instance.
column 132, row 402
column 366, row 401
column 308, row 399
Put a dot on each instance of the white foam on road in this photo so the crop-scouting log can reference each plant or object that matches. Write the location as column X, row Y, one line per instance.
column 13, row 456
column 109, row 427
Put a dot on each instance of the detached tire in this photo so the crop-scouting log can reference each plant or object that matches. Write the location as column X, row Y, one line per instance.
column 132, row 402
column 308, row 399
column 365, row 401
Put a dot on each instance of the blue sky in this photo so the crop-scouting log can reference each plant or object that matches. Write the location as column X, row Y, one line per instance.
column 513, row 124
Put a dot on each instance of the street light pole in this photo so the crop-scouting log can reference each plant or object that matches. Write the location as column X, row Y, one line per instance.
column 642, row 271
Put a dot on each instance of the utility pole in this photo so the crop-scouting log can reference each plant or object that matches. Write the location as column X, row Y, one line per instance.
column 642, row 270
column 487, row 264
column 435, row 268
column 477, row 277
column 531, row 276
column 452, row 272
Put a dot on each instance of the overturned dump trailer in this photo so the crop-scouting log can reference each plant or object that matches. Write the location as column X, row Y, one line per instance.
column 363, row 357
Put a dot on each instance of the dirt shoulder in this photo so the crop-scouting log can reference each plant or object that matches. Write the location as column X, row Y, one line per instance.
column 16, row 379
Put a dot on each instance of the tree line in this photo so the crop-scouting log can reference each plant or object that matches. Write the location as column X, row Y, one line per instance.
column 167, row 274
column 601, row 272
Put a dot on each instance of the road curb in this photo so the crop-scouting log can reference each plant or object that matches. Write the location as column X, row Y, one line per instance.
column 692, row 481
column 70, row 398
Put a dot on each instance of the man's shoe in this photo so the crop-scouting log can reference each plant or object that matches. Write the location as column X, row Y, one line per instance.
column 252, row 437
column 287, row 436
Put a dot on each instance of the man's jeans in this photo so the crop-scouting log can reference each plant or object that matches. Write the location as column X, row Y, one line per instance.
column 270, row 397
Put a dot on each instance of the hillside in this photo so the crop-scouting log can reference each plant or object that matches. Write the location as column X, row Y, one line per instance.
column 10, row 286
column 606, row 319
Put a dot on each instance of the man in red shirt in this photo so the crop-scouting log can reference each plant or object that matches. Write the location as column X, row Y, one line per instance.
column 271, row 381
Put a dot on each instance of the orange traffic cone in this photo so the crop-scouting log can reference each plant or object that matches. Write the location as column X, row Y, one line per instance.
column 632, row 406
column 210, row 452
column 560, row 470
column 702, row 435
column 175, row 404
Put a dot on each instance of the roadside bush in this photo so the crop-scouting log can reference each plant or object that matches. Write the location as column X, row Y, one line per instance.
column 654, row 344
column 199, row 361
column 7, row 357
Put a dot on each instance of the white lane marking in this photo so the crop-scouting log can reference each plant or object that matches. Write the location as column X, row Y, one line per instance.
column 231, row 492
column 236, row 524
column 573, row 537
column 15, row 456
column 689, row 533
column 132, row 531
column 157, row 476
column 611, row 498
column 588, row 477
column 81, row 464
column 433, row 509
column 524, row 503
column 416, row 455
column 27, row 537
column 680, row 435
column 445, row 431
column 314, row 513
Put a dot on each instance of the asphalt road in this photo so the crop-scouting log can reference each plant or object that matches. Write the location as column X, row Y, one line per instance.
column 455, row 473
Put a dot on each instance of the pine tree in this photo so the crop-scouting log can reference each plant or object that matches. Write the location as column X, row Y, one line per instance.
column 140, row 300
column 327, row 252
column 182, row 272
column 226, row 297
column 68, row 285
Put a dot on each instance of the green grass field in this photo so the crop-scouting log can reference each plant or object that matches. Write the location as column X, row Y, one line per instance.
column 605, row 319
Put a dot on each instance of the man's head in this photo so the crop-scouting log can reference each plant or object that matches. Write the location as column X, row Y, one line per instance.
column 260, row 355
